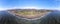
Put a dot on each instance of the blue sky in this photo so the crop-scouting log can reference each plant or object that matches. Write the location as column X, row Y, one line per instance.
column 29, row 3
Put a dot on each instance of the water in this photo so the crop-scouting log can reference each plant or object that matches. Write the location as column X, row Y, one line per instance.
column 52, row 18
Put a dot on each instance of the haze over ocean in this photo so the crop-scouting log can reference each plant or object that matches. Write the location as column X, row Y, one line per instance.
column 50, row 4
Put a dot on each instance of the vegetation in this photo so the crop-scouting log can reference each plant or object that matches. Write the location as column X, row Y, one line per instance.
column 27, row 13
column 30, row 13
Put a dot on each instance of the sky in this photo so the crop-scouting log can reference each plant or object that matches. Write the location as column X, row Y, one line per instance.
column 38, row 4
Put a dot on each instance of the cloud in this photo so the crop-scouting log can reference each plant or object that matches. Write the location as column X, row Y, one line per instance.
column 1, row 9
